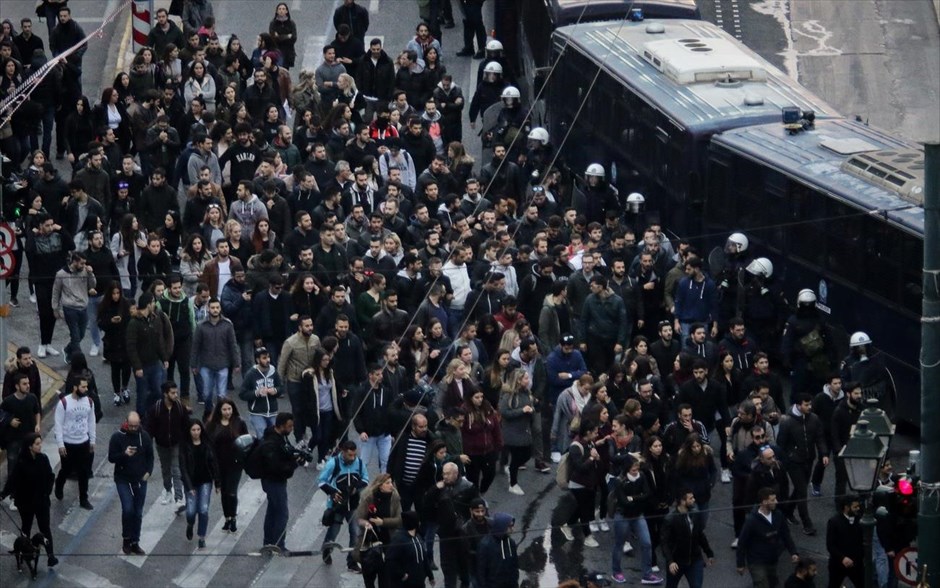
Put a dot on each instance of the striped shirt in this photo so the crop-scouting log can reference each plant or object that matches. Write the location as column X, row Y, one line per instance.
column 415, row 451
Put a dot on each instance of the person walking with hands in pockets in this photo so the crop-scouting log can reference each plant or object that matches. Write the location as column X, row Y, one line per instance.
column 131, row 452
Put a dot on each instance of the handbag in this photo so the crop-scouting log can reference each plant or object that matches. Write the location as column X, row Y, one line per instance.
column 371, row 558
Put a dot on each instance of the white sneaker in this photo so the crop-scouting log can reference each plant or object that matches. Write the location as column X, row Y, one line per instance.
column 166, row 497
column 51, row 351
column 93, row 351
column 41, row 352
column 590, row 541
column 556, row 455
column 595, row 528
column 32, row 298
column 180, row 504
column 604, row 526
column 734, row 544
column 627, row 548
column 516, row 490
column 321, row 465
column 566, row 531
column 725, row 476
column 505, row 470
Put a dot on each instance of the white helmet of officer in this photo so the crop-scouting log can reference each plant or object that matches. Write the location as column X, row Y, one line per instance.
column 493, row 46
column 859, row 338
column 736, row 243
column 761, row 267
column 492, row 70
column 594, row 174
column 510, row 95
column 538, row 137
column 806, row 297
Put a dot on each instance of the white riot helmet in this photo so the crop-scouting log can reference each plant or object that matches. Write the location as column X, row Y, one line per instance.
column 596, row 170
column 736, row 243
column 494, row 45
column 510, row 92
column 761, row 267
column 493, row 67
column 806, row 297
column 538, row 134
column 859, row 338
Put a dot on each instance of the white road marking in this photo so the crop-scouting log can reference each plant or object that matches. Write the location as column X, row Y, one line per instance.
column 301, row 536
column 313, row 51
column 204, row 564
column 374, row 6
column 157, row 520
column 72, row 573
column 98, row 488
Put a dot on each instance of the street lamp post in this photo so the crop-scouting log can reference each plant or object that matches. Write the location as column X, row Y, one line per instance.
column 862, row 457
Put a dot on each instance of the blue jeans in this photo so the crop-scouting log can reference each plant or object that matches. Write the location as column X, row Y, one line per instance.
column 93, row 302
column 133, row 495
column 428, row 531
column 213, row 385
column 884, row 566
column 454, row 321
column 148, row 387
column 259, row 424
column 197, row 502
column 76, row 319
column 382, row 446
column 623, row 528
column 275, row 516
column 694, row 573
column 333, row 532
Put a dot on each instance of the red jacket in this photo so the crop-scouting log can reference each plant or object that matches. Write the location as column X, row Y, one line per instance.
column 481, row 436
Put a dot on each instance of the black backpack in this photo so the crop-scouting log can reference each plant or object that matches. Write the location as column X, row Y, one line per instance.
column 253, row 461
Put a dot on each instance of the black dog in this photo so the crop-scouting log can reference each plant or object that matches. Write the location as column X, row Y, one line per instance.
column 26, row 551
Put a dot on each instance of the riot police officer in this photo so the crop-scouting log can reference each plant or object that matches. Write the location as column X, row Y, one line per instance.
column 598, row 195
column 762, row 305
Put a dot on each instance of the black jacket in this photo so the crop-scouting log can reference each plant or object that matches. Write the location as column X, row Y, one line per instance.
column 406, row 557
column 131, row 468
column 843, row 417
column 378, row 79
column 683, row 539
column 705, row 403
column 189, row 466
column 278, row 460
column 630, row 498
column 844, row 539
column 168, row 426
column 373, row 404
column 801, row 438
column 761, row 541
column 31, row 482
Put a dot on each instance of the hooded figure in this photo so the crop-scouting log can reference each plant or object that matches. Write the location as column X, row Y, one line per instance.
column 497, row 560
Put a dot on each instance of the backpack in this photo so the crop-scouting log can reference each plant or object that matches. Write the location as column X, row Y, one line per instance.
column 812, row 343
column 563, row 473
column 253, row 461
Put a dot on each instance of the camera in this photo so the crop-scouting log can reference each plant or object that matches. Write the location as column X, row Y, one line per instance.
column 303, row 453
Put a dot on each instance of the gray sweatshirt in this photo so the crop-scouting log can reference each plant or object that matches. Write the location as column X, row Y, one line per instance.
column 70, row 290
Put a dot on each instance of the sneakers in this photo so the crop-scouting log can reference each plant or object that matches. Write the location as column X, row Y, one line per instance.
column 86, row 505
column 590, row 541
column 189, row 531
column 93, row 351
column 566, row 531
column 118, row 401
column 32, row 298
column 604, row 526
column 595, row 528
column 725, row 476
column 126, row 395
column 201, row 544
column 542, row 467
column 817, row 490
column 556, row 455
column 232, row 527
column 41, row 351
column 650, row 579
column 227, row 526
column 180, row 506
column 627, row 548
column 619, row 578
column 321, row 464
column 734, row 544
column 166, row 497
column 14, row 303
column 327, row 558
column 515, row 489
column 52, row 351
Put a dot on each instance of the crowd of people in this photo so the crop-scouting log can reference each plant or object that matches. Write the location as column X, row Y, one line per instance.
column 244, row 238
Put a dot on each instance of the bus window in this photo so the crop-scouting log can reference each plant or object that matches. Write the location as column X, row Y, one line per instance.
column 807, row 237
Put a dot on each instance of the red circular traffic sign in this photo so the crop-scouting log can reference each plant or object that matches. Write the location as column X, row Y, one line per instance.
column 7, row 237
column 7, row 264
column 905, row 566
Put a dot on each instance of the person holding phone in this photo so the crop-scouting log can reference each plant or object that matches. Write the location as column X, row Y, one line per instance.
column 131, row 452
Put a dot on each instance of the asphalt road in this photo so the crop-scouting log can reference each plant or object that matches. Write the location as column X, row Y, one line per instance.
column 89, row 543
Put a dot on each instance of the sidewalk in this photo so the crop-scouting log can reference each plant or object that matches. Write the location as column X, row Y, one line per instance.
column 51, row 380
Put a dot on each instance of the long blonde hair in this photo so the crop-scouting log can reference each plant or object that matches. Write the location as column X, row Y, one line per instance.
column 514, row 385
column 452, row 369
